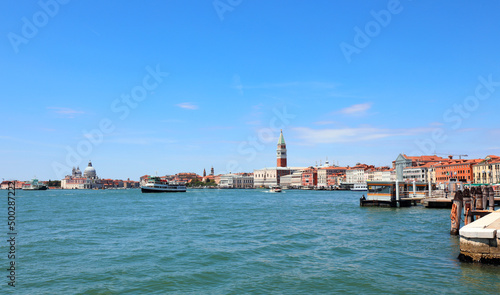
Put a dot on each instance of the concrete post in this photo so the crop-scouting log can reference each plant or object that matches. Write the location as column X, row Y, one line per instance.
column 397, row 193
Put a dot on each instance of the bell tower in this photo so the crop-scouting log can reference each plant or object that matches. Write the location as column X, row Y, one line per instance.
column 281, row 151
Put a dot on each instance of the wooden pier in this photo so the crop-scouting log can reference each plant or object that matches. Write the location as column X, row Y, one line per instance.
column 437, row 203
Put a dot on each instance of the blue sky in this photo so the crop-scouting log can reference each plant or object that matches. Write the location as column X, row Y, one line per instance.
column 222, row 79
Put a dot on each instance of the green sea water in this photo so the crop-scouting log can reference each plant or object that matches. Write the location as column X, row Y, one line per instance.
column 232, row 242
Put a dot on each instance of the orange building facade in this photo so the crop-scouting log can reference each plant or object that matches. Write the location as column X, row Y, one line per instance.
column 459, row 170
column 310, row 177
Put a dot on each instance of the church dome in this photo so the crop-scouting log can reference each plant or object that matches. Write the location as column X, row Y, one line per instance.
column 89, row 172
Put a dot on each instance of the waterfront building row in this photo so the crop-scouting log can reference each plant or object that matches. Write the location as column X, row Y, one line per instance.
column 18, row 184
column 443, row 170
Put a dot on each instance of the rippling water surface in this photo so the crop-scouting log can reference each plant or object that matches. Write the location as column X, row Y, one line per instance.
column 232, row 242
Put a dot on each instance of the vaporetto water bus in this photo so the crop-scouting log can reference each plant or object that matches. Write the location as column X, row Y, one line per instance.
column 156, row 185
column 359, row 187
column 394, row 194
column 34, row 185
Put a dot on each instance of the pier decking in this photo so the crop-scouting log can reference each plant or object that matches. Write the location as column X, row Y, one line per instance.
column 437, row 202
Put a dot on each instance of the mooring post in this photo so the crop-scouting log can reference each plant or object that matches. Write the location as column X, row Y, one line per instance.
column 479, row 198
column 491, row 197
column 456, row 212
column 485, row 197
column 473, row 198
column 467, row 195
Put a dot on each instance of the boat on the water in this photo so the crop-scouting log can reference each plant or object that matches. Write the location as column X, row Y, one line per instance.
column 156, row 185
column 34, row 185
column 359, row 187
column 394, row 194
column 275, row 189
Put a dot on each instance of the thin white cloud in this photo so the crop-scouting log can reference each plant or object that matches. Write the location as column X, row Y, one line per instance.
column 343, row 135
column 66, row 112
column 357, row 109
column 187, row 106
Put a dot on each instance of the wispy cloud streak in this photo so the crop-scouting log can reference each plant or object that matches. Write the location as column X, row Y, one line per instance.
column 66, row 112
column 343, row 135
column 357, row 109
column 188, row 106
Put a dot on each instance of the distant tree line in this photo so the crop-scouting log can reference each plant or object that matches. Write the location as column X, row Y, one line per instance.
column 196, row 182
column 54, row 183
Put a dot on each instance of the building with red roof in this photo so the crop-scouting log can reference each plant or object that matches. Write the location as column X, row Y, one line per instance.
column 403, row 161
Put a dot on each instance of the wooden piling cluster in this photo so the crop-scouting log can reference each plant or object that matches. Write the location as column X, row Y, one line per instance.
column 472, row 203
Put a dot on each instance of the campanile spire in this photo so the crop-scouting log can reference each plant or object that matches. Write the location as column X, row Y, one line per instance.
column 281, row 151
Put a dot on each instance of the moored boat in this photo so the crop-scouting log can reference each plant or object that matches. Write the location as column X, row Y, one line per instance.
column 359, row 187
column 34, row 185
column 156, row 185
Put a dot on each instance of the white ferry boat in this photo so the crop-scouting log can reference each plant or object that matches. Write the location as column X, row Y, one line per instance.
column 34, row 185
column 359, row 187
column 156, row 185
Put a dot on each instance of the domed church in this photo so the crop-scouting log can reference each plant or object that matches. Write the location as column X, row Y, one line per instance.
column 89, row 180
column 89, row 172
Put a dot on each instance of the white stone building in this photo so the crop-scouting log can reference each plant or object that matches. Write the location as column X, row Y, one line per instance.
column 293, row 180
column 325, row 172
column 243, row 180
column 89, row 180
column 356, row 174
column 419, row 174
